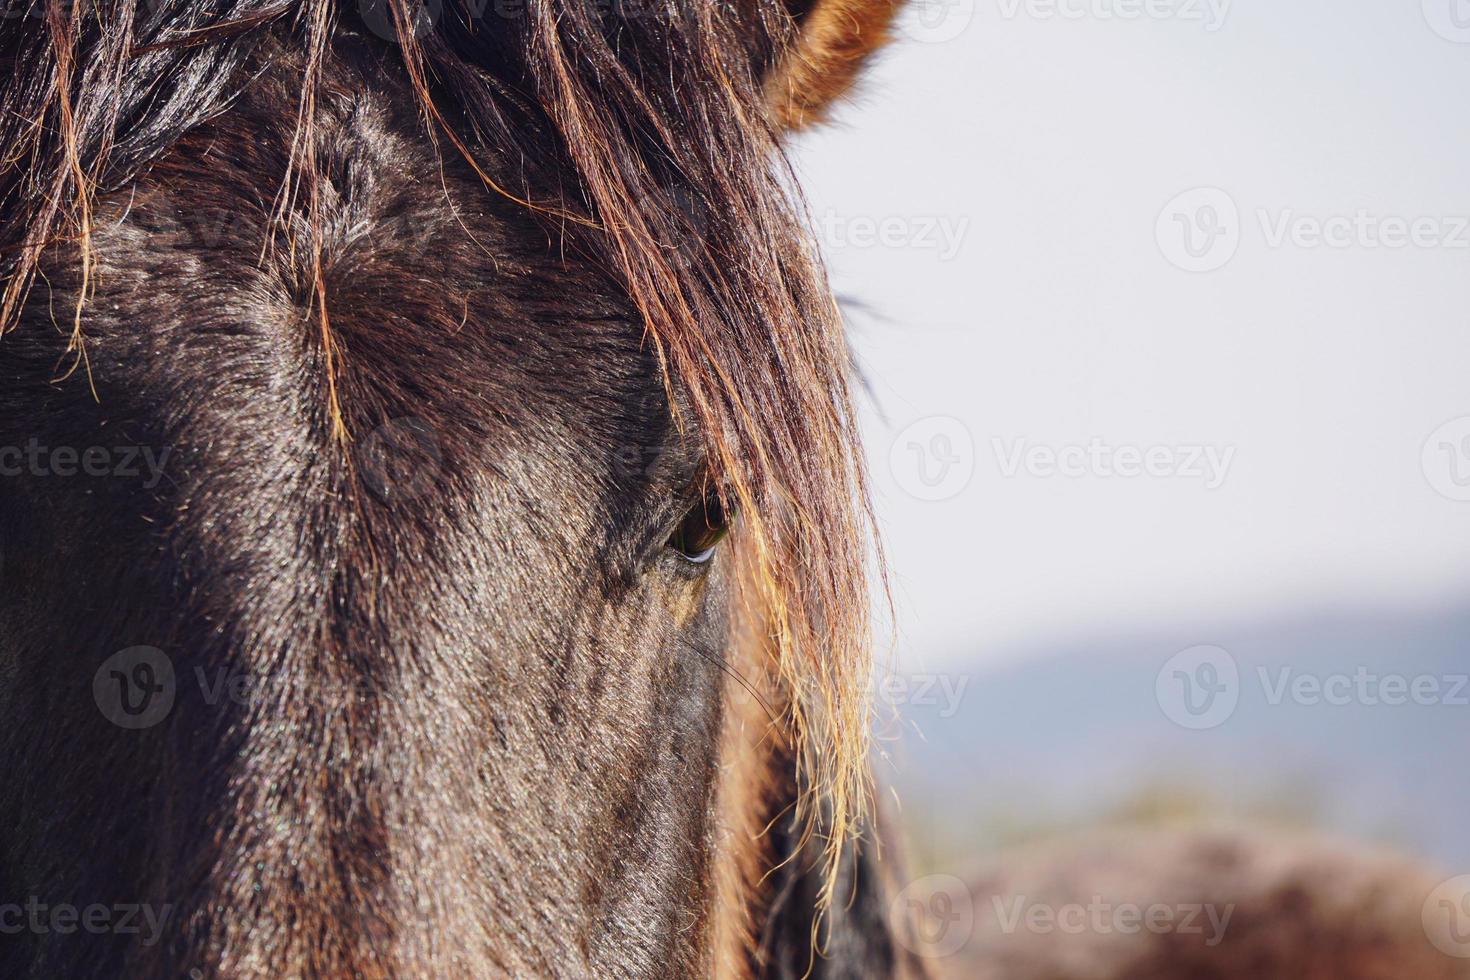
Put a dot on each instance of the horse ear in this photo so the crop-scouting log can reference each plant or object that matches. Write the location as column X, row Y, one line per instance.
column 834, row 39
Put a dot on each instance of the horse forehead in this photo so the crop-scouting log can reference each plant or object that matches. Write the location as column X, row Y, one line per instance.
column 501, row 411
column 452, row 312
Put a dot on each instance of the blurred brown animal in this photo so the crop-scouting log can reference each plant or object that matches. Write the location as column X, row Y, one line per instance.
column 1195, row 904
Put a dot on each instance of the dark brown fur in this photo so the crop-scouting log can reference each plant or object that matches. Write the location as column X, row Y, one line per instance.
column 442, row 338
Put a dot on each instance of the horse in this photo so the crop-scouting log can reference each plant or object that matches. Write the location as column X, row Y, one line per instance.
column 434, row 537
column 1217, row 899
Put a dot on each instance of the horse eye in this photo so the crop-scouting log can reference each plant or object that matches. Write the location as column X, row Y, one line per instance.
column 700, row 530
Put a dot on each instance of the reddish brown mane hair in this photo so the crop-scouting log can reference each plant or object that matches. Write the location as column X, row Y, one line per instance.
column 653, row 121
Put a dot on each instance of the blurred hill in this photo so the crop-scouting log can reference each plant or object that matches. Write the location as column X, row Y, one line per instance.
column 1073, row 735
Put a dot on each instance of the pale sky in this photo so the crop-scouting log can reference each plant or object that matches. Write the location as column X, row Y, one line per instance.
column 1008, row 203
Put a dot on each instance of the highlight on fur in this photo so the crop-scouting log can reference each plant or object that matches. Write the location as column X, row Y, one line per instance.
column 654, row 119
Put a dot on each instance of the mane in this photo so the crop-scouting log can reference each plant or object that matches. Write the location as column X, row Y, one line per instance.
column 648, row 120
